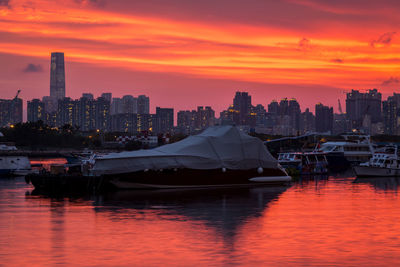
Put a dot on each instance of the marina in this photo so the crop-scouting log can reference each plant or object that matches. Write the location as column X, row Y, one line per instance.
column 304, row 224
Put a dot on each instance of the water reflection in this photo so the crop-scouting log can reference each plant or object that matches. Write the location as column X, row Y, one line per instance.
column 315, row 222
column 223, row 209
column 381, row 183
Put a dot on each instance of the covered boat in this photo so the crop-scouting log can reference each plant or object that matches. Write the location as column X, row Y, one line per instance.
column 220, row 156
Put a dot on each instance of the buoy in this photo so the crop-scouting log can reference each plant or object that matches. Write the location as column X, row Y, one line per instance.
column 223, row 169
column 260, row 170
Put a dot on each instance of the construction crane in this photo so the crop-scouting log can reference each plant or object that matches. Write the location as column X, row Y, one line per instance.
column 340, row 107
column 16, row 96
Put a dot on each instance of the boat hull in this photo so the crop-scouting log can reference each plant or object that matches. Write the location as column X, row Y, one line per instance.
column 370, row 171
column 189, row 178
column 161, row 179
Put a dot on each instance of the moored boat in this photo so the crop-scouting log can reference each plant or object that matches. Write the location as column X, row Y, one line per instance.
column 314, row 162
column 384, row 163
column 220, row 156
column 13, row 165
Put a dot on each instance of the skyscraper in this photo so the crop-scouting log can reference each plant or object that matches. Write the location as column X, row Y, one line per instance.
column 143, row 104
column 57, row 76
column 323, row 118
column 242, row 104
column 36, row 111
column 359, row 105
column 165, row 119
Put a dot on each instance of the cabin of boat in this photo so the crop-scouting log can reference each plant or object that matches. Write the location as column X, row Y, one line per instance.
column 385, row 162
column 355, row 148
column 306, row 162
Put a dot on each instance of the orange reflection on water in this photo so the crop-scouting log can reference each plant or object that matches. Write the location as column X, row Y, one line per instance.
column 329, row 222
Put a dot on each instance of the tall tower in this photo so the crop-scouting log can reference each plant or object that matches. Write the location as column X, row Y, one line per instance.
column 57, row 76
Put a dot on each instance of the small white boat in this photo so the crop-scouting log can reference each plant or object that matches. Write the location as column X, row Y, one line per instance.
column 13, row 165
column 384, row 163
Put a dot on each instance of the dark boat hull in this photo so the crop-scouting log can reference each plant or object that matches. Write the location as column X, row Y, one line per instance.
column 189, row 178
column 337, row 162
column 182, row 178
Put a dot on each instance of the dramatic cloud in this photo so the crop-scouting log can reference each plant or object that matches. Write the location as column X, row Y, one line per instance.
column 337, row 60
column 390, row 81
column 307, row 43
column 304, row 43
column 5, row 3
column 33, row 68
column 384, row 39
column 91, row 2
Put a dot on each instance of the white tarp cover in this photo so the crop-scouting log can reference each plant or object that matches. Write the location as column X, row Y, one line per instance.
column 216, row 147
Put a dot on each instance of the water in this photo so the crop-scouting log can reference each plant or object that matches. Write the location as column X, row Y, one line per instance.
column 321, row 223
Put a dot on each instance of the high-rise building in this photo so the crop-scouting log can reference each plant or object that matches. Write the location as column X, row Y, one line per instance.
column 35, row 111
column 284, row 107
column 294, row 114
column 85, row 110
column 359, row 105
column 50, row 104
column 273, row 107
column 205, row 117
column 107, row 96
column 116, row 106
column 129, row 104
column 307, row 122
column 143, row 104
column 242, row 104
column 88, row 96
column 323, row 118
column 165, row 120
column 10, row 111
column 57, row 76
column 391, row 114
column 102, row 114
column 67, row 112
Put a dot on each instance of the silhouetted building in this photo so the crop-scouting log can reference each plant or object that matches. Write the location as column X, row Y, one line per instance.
column 85, row 110
column 50, row 104
column 391, row 115
column 190, row 122
column 307, row 122
column 67, row 112
column 165, row 120
column 102, row 114
column 88, row 96
column 116, row 106
column 143, row 104
column 242, row 104
column 57, row 76
column 36, row 111
column 273, row 108
column 294, row 114
column 129, row 104
column 323, row 118
column 107, row 96
column 10, row 111
column 359, row 105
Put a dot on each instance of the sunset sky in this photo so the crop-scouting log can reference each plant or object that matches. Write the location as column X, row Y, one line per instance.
column 185, row 53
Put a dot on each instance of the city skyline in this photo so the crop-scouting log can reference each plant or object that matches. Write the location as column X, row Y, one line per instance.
column 187, row 52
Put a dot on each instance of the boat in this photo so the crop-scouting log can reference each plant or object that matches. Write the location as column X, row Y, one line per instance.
column 314, row 162
column 12, row 164
column 219, row 156
column 385, row 162
column 354, row 149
